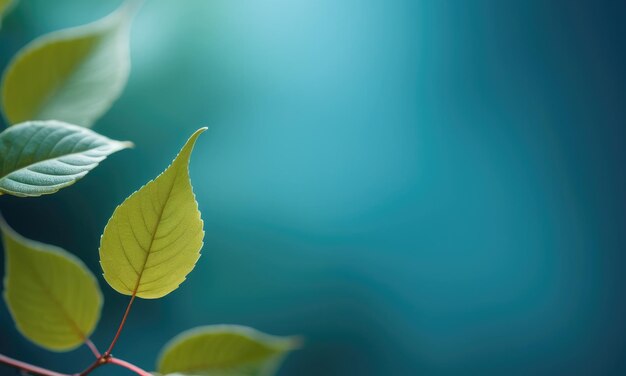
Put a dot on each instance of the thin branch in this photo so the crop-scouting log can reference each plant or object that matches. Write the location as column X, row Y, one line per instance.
column 99, row 362
column 93, row 348
column 129, row 366
column 28, row 367
column 119, row 329
column 111, row 360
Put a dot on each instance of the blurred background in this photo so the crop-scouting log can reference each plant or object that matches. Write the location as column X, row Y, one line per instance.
column 416, row 187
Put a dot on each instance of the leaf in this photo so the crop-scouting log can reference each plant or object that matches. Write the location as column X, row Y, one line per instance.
column 72, row 75
column 53, row 298
column 41, row 157
column 5, row 7
column 154, row 237
column 225, row 350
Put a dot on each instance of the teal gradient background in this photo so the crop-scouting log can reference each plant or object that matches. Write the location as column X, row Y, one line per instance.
column 416, row 187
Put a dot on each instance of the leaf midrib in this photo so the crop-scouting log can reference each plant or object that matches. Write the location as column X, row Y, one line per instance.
column 56, row 302
column 156, row 229
column 51, row 159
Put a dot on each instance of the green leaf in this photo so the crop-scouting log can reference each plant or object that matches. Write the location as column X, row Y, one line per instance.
column 5, row 7
column 225, row 350
column 154, row 237
column 72, row 75
column 54, row 299
column 41, row 157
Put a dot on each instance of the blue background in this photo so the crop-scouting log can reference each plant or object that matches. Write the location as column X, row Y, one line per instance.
column 416, row 187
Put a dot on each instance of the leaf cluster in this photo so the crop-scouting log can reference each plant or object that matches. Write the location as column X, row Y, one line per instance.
column 53, row 90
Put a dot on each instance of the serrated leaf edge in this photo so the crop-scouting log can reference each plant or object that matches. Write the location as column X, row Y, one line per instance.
column 193, row 137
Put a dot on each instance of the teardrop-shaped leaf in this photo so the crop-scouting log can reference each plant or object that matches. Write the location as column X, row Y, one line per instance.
column 5, row 7
column 154, row 237
column 225, row 350
column 41, row 157
column 72, row 75
column 53, row 298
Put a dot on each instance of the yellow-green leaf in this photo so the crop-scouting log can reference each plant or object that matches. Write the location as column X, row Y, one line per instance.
column 41, row 157
column 154, row 237
column 53, row 298
column 73, row 75
column 225, row 350
column 5, row 7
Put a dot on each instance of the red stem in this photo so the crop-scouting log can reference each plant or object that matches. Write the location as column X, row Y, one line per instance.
column 119, row 329
column 93, row 348
column 111, row 360
column 106, row 357
column 100, row 361
column 28, row 367
column 132, row 367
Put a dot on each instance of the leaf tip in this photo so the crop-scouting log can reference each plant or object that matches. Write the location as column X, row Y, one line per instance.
column 199, row 132
column 186, row 150
column 132, row 6
column 126, row 11
column 295, row 343
column 127, row 144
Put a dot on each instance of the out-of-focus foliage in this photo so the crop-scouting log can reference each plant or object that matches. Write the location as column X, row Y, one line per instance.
column 5, row 6
column 73, row 75
column 225, row 350
column 52, row 296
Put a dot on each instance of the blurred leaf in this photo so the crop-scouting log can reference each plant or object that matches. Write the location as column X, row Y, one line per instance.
column 225, row 350
column 5, row 7
column 154, row 237
column 41, row 157
column 54, row 299
column 73, row 75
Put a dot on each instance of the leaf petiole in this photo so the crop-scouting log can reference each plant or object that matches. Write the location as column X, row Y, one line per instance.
column 93, row 348
column 119, row 329
column 108, row 359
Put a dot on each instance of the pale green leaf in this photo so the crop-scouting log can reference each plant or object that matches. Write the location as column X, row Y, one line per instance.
column 53, row 298
column 154, row 237
column 72, row 75
column 225, row 350
column 41, row 157
column 5, row 7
